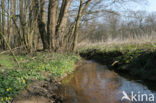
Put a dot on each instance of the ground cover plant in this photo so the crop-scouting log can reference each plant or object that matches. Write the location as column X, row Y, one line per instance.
column 37, row 67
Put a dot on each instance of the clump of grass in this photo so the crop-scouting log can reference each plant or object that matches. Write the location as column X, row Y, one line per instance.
column 13, row 80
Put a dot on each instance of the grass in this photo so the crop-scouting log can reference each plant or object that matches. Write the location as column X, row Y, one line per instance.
column 134, row 59
column 117, row 46
column 110, row 43
column 7, row 61
column 39, row 67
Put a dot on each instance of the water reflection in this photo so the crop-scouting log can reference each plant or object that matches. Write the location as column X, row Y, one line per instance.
column 94, row 83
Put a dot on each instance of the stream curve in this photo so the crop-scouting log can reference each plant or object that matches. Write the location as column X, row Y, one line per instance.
column 95, row 83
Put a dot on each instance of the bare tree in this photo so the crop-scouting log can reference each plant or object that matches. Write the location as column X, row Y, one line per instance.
column 58, row 23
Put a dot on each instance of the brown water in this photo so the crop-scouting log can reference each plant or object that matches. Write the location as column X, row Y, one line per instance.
column 94, row 83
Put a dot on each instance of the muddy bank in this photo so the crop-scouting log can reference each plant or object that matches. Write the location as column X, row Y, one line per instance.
column 46, row 91
column 40, row 92
column 139, row 64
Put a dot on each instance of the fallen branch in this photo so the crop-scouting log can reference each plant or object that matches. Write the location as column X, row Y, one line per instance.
column 10, row 49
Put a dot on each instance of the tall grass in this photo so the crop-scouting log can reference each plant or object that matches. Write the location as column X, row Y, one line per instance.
column 147, row 41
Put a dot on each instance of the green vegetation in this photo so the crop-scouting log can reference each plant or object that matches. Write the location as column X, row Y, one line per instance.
column 134, row 60
column 41, row 66
column 7, row 61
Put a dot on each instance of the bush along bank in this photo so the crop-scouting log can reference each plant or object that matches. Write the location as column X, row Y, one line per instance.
column 137, row 63
column 41, row 70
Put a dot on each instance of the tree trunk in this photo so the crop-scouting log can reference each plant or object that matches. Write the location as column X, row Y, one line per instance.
column 8, row 22
column 52, row 21
column 3, row 22
column 0, row 27
column 61, row 26
column 82, row 9
column 42, row 25
column 16, row 31
column 11, row 25
column 34, row 25
column 22, row 24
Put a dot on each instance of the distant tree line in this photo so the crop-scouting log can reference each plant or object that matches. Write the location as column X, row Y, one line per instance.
column 130, row 25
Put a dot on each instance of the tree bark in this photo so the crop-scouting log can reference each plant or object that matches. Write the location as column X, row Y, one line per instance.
column 22, row 24
column 3, row 23
column 0, row 27
column 61, row 26
column 11, row 25
column 52, row 21
column 8, row 22
column 82, row 9
column 42, row 25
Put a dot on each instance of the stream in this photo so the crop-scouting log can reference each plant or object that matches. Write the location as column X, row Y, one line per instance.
column 95, row 83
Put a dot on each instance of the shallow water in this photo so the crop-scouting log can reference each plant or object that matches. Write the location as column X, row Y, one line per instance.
column 94, row 83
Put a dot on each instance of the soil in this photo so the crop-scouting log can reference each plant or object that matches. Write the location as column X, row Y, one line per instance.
column 40, row 92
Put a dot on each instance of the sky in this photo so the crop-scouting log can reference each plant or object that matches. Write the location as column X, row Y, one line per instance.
column 145, row 5
column 139, row 5
column 151, row 5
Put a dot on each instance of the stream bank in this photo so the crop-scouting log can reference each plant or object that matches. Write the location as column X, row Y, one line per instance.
column 37, row 79
column 138, row 63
